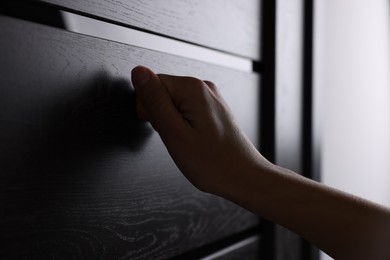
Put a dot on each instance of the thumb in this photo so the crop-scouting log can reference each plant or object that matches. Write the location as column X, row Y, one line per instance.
column 155, row 101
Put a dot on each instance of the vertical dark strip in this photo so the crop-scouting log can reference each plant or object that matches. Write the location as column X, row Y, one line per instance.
column 268, row 80
column 267, row 120
column 309, row 252
column 307, row 128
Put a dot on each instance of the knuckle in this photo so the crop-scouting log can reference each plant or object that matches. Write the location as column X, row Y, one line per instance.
column 195, row 82
column 211, row 85
column 196, row 86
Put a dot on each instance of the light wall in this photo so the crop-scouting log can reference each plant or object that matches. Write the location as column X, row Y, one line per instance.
column 352, row 80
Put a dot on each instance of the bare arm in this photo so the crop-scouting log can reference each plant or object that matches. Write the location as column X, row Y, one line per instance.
column 209, row 148
column 343, row 226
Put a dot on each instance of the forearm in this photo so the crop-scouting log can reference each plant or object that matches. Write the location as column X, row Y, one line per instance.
column 199, row 131
column 343, row 226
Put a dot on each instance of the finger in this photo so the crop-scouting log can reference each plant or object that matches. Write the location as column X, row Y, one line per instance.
column 156, row 102
column 187, row 93
column 141, row 111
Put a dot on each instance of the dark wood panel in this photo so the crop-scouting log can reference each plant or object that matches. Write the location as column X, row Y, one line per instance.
column 80, row 176
column 228, row 25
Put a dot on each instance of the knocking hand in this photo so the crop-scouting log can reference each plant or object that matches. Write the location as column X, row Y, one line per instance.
column 197, row 128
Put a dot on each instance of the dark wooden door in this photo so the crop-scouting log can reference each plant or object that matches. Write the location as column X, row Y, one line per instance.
column 80, row 176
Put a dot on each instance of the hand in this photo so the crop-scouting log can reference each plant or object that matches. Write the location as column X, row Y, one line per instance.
column 197, row 128
column 213, row 153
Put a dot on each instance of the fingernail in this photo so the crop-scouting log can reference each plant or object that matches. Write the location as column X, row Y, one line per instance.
column 140, row 76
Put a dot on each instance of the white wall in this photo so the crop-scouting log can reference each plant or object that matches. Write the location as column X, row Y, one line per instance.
column 352, row 68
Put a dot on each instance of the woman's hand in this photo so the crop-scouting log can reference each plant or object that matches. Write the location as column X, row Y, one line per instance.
column 197, row 128
column 213, row 153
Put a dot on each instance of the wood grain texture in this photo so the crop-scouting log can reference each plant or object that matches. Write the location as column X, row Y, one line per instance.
column 227, row 25
column 80, row 176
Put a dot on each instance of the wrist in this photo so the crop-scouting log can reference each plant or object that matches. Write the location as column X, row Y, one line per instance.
column 247, row 181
